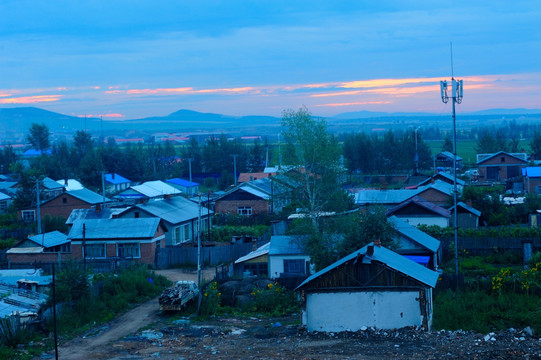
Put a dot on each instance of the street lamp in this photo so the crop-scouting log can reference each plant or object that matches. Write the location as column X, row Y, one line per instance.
column 456, row 98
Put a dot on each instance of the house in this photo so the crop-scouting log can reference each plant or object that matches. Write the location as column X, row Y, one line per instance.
column 42, row 248
column 187, row 187
column 5, row 202
column 115, row 183
column 443, row 176
column 416, row 211
column 83, row 214
column 245, row 177
column 501, row 166
column 287, row 257
column 117, row 239
column 51, row 188
column 256, row 263
column 178, row 214
column 256, row 197
column 9, row 187
column 415, row 244
column 371, row 287
column 467, row 217
column 147, row 190
column 445, row 160
column 283, row 256
column 62, row 205
column 531, row 176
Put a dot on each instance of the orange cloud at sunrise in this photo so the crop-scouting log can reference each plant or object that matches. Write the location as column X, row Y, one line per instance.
column 30, row 99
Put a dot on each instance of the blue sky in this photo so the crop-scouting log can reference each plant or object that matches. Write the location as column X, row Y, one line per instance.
column 130, row 59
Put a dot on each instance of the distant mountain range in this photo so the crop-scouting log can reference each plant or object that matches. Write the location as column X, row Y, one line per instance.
column 18, row 121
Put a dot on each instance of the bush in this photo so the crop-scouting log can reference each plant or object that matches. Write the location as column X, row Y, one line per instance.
column 483, row 312
column 274, row 300
column 211, row 300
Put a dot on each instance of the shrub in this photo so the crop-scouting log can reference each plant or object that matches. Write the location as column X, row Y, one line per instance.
column 274, row 300
column 211, row 300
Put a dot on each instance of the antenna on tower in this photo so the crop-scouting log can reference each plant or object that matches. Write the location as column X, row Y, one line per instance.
column 452, row 70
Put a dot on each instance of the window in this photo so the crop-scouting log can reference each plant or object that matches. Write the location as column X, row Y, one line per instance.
column 3, row 205
column 136, row 214
column 28, row 215
column 129, row 250
column 244, row 210
column 182, row 234
column 64, row 200
column 94, row 251
column 294, row 267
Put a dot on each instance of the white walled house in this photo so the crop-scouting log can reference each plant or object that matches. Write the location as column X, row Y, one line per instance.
column 418, row 211
column 372, row 287
column 287, row 257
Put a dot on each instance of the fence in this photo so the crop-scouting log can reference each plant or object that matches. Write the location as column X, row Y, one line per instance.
column 218, row 254
column 486, row 246
column 97, row 266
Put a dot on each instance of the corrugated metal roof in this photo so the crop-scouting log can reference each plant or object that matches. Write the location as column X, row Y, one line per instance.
column 50, row 184
column 389, row 258
column 81, row 214
column 155, row 188
column 174, row 210
column 123, row 228
column 114, row 178
column 4, row 196
column 7, row 184
column 441, row 186
column 450, row 178
column 262, row 250
column 285, row 245
column 416, row 235
column 481, row 158
column 50, row 239
column 384, row 196
column 88, row 196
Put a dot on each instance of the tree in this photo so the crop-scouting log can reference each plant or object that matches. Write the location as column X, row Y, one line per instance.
column 486, row 144
column 38, row 137
column 535, row 145
column 447, row 145
column 315, row 156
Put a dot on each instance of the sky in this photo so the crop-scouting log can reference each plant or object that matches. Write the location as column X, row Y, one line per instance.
column 127, row 59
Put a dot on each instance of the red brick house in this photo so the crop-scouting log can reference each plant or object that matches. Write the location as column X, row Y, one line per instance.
column 134, row 239
column 62, row 205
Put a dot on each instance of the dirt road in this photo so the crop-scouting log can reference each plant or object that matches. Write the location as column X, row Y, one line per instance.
column 97, row 343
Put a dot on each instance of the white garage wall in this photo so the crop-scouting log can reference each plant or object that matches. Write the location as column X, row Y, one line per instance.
column 343, row 311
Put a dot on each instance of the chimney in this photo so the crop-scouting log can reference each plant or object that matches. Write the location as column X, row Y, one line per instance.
column 98, row 208
column 113, row 175
column 66, row 182
column 377, row 242
column 370, row 250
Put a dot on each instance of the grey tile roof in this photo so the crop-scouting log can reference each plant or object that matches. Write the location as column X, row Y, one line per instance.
column 174, row 210
column 81, row 214
column 113, row 229
column 466, row 207
column 389, row 258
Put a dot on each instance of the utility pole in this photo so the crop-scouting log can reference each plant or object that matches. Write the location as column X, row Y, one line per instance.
column 235, row 168
column 199, row 256
column 84, row 247
column 457, row 92
column 54, row 315
column 37, row 206
column 190, row 169
column 103, row 187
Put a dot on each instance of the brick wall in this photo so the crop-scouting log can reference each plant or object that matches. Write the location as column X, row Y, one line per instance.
column 60, row 206
column 436, row 197
column 39, row 258
column 230, row 206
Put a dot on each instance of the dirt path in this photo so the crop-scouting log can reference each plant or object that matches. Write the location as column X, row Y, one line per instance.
column 97, row 343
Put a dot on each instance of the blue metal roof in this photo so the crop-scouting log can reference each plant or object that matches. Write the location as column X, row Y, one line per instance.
column 88, row 196
column 286, row 245
column 182, row 182
column 174, row 210
column 389, row 258
column 115, row 179
column 532, row 171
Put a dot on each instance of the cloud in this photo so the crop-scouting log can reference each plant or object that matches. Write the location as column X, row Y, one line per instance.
column 355, row 103
column 31, row 99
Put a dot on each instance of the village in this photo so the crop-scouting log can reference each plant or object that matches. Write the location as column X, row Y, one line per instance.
column 287, row 241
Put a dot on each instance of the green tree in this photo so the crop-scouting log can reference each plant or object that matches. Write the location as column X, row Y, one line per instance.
column 447, row 145
column 315, row 155
column 486, row 144
column 535, row 145
column 39, row 137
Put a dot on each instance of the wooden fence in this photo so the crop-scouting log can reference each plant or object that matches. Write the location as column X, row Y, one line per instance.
column 210, row 255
